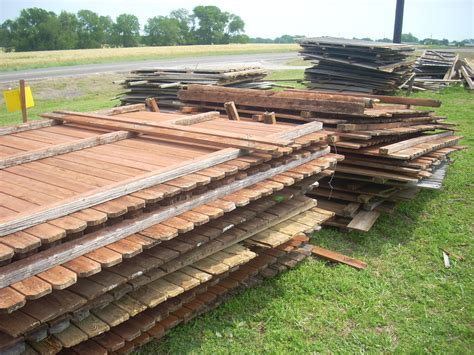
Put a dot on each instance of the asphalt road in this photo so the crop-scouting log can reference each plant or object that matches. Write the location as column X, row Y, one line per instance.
column 268, row 60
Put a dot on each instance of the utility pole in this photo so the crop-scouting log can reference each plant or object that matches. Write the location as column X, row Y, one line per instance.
column 397, row 31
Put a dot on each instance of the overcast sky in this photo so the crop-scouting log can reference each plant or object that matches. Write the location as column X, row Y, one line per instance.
column 452, row 19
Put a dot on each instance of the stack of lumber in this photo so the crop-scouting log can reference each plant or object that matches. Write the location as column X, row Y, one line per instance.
column 289, row 105
column 346, row 65
column 162, row 84
column 435, row 70
column 387, row 160
column 391, row 149
column 117, row 226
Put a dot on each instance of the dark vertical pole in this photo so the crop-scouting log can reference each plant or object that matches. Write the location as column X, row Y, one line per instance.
column 397, row 31
column 24, row 114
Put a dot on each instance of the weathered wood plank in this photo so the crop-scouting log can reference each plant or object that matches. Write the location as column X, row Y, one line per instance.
column 207, row 94
column 28, row 126
column 174, row 132
column 396, row 147
column 336, row 257
column 57, row 255
column 64, row 148
column 42, row 214
column 363, row 220
column 192, row 131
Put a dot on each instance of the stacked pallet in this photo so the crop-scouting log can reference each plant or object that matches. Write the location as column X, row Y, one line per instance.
column 391, row 149
column 162, row 84
column 116, row 226
column 345, row 65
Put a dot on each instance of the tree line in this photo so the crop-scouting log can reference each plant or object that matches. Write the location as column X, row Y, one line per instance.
column 37, row 29
column 410, row 38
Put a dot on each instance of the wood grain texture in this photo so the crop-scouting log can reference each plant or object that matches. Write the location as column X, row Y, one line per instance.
column 57, row 255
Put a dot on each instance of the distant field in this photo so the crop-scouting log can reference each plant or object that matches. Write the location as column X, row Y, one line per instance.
column 42, row 59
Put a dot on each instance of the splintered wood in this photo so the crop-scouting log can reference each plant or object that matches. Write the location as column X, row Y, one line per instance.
column 117, row 226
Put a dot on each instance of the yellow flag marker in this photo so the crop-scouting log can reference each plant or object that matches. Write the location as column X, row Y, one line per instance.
column 12, row 99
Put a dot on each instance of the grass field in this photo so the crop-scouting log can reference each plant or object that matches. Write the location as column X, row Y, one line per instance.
column 86, row 93
column 42, row 59
column 405, row 301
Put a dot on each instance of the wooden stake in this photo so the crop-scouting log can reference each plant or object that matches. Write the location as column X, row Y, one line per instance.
column 231, row 111
column 24, row 114
column 269, row 118
column 151, row 103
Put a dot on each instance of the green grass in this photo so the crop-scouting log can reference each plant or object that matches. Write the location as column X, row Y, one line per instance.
column 44, row 59
column 76, row 94
column 300, row 62
column 287, row 78
column 405, row 301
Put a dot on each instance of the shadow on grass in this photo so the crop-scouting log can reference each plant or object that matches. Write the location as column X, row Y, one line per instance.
column 391, row 229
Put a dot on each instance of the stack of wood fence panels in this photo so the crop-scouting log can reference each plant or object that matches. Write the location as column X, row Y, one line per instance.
column 108, row 217
column 393, row 146
column 345, row 65
column 385, row 162
column 163, row 84
column 148, row 326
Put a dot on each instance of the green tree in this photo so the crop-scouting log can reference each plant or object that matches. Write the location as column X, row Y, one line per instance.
column 409, row 38
column 241, row 38
column 107, row 25
column 91, row 31
column 7, row 31
column 445, row 42
column 36, row 29
column 126, row 31
column 163, row 31
column 185, row 22
column 209, row 23
column 234, row 29
column 285, row 39
column 68, row 35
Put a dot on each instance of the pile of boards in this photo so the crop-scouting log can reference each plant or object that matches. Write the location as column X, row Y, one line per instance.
column 162, row 84
column 436, row 69
column 388, row 158
column 346, row 65
column 391, row 149
column 116, row 226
